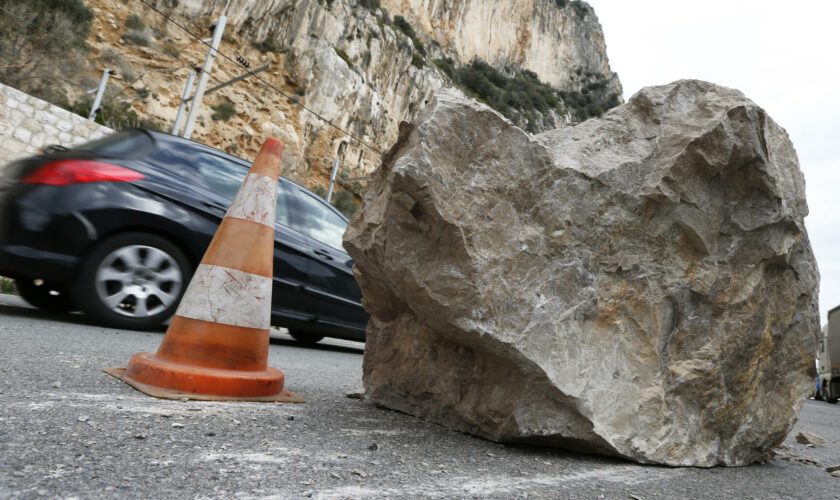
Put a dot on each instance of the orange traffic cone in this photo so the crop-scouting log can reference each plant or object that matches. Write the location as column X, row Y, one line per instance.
column 216, row 346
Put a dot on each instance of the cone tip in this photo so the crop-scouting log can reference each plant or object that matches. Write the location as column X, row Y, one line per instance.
column 272, row 146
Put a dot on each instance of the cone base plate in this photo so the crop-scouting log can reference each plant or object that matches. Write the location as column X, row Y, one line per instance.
column 161, row 393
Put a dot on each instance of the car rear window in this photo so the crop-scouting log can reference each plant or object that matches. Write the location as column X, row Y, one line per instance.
column 126, row 144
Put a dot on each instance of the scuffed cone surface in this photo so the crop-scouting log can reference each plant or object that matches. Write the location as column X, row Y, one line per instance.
column 639, row 285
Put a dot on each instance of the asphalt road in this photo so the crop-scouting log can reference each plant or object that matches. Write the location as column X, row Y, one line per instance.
column 68, row 430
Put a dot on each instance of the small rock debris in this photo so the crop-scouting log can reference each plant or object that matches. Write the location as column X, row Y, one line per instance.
column 809, row 438
column 356, row 394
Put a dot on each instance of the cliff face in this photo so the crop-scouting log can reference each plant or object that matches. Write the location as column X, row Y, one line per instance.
column 364, row 67
column 553, row 39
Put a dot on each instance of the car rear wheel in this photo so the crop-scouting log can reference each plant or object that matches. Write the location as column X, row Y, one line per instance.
column 133, row 280
column 44, row 295
column 306, row 337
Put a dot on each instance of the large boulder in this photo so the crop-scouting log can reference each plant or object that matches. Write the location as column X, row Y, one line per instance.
column 639, row 285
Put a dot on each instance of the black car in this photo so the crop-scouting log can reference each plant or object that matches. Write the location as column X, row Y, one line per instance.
column 116, row 227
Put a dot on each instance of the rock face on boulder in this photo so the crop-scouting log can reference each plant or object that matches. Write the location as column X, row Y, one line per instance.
column 639, row 285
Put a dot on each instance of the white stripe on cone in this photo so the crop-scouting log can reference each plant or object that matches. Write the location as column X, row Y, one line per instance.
column 256, row 200
column 228, row 296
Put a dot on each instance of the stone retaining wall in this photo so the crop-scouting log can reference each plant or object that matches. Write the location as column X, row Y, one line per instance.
column 28, row 124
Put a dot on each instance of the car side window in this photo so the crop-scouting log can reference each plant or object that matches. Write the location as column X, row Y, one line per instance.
column 316, row 220
column 219, row 175
column 225, row 178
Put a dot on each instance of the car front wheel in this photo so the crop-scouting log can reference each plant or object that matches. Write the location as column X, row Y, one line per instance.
column 133, row 281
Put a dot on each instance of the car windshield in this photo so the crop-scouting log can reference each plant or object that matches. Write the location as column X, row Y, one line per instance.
column 122, row 144
column 317, row 221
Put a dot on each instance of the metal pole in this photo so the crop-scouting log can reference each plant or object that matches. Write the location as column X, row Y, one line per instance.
column 336, row 163
column 97, row 101
column 179, row 118
column 234, row 80
column 205, row 75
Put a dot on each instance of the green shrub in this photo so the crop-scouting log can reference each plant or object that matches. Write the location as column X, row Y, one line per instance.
column 223, row 111
column 138, row 37
column 134, row 23
column 524, row 99
column 417, row 60
column 580, row 8
column 7, row 286
column 369, row 4
column 170, row 49
column 343, row 201
column 74, row 11
column 447, row 65
column 269, row 44
column 116, row 114
column 593, row 98
column 40, row 41
column 401, row 24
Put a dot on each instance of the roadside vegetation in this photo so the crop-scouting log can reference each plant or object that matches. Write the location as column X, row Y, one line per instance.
column 344, row 194
column 519, row 94
column 7, row 286
column 223, row 111
column 41, row 39
column 580, row 9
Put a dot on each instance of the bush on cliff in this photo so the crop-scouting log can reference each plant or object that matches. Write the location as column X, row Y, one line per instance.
column 39, row 40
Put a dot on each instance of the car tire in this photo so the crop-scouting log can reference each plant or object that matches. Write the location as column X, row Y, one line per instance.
column 133, row 281
column 306, row 338
column 43, row 295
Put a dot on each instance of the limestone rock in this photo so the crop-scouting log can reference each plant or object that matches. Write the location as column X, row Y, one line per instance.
column 809, row 438
column 639, row 285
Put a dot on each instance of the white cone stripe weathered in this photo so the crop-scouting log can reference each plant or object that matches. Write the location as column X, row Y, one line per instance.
column 256, row 200
column 228, row 296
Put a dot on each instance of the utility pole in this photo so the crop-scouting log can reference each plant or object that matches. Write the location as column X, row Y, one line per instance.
column 336, row 163
column 205, row 75
column 179, row 118
column 97, row 101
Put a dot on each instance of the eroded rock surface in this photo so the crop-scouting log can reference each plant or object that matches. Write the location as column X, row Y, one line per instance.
column 639, row 285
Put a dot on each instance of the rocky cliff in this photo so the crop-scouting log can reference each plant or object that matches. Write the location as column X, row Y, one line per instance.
column 362, row 65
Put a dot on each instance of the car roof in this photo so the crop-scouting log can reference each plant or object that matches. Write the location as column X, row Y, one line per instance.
column 167, row 137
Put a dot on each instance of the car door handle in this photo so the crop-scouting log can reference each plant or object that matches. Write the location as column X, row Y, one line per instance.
column 322, row 253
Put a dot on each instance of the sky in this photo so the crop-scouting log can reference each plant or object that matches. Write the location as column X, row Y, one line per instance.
column 783, row 55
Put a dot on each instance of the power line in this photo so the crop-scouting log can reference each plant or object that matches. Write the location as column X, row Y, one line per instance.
column 263, row 81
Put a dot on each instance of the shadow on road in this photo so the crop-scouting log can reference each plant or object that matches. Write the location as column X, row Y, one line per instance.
column 324, row 345
column 25, row 311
